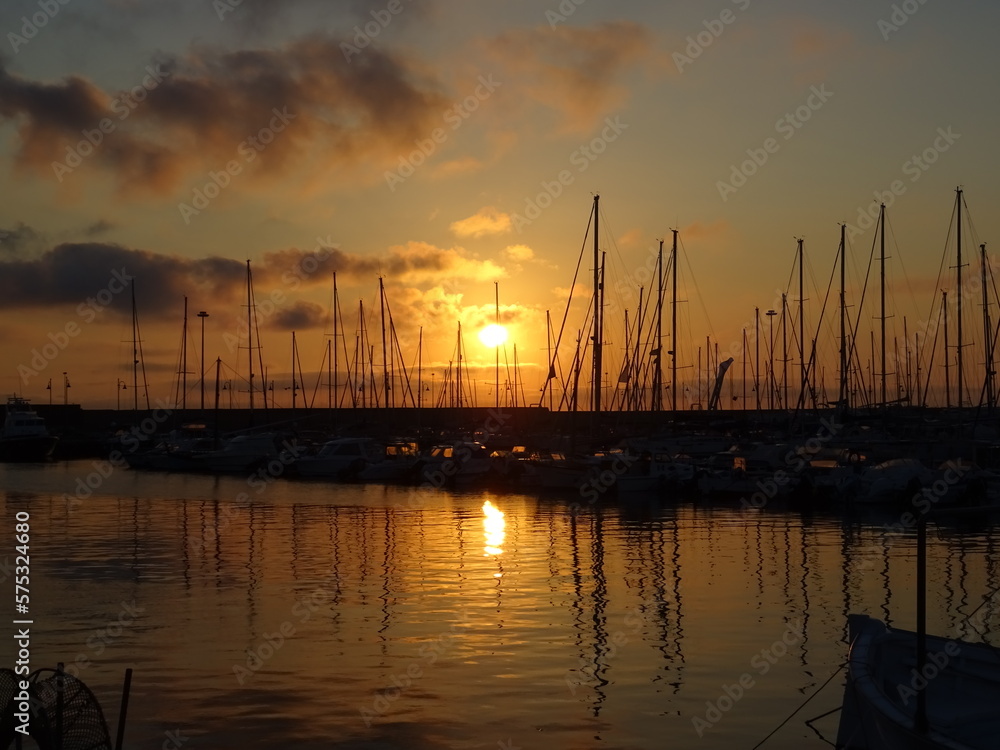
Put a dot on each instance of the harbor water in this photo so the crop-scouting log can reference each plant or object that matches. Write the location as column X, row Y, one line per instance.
column 276, row 612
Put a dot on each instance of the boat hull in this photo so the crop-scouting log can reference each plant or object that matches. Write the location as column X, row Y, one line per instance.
column 27, row 449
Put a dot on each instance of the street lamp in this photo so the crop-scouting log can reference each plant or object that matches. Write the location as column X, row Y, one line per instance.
column 770, row 362
column 65, row 389
column 203, row 315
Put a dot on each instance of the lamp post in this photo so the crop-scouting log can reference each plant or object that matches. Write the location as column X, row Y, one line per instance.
column 203, row 315
column 770, row 361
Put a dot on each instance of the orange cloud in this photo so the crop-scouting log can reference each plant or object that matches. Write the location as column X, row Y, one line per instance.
column 484, row 222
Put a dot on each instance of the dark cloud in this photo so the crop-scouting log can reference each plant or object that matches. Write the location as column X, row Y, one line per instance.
column 197, row 111
column 99, row 227
column 298, row 316
column 73, row 273
column 19, row 241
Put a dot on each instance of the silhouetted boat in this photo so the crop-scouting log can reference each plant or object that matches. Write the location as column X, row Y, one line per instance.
column 880, row 700
column 25, row 436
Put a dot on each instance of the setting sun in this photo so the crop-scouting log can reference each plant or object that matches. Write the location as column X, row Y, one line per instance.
column 493, row 335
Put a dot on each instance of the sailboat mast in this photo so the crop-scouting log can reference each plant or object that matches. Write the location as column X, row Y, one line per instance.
column 598, row 345
column 658, row 373
column 184, row 357
column 882, row 281
column 250, row 338
column 947, row 371
column 332, row 385
column 844, row 391
column 958, row 296
column 496, row 350
column 802, row 331
column 987, row 330
column 674, row 387
column 385, row 359
column 294, row 381
column 756, row 341
column 135, row 354
column 458, row 370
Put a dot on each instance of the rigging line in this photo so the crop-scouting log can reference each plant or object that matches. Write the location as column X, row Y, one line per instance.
column 937, row 282
column 902, row 266
column 861, row 302
column 694, row 281
column 801, row 706
column 819, row 326
column 569, row 300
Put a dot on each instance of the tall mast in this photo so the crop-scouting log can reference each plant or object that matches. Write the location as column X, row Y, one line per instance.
column 947, row 371
column 756, row 373
column 135, row 354
column 784, row 353
column 802, row 331
column 295, row 390
column 420, row 368
column 250, row 339
column 959, row 295
column 844, row 390
column 674, row 387
column 458, row 370
column 598, row 353
column 548, row 342
column 657, row 404
column 882, row 316
column 987, row 330
column 363, row 346
column 385, row 360
column 184, row 357
column 336, row 321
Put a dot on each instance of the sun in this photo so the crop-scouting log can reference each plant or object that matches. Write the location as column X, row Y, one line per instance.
column 493, row 335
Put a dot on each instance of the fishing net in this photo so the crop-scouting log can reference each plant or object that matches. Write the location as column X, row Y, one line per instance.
column 76, row 717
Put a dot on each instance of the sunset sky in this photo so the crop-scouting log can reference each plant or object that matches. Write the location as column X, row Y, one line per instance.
column 450, row 146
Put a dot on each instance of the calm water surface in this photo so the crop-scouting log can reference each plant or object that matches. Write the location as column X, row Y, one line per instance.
column 310, row 615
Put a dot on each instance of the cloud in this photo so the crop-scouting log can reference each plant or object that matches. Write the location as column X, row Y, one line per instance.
column 519, row 253
column 198, row 110
column 415, row 262
column 18, row 241
column 573, row 70
column 485, row 222
column 298, row 316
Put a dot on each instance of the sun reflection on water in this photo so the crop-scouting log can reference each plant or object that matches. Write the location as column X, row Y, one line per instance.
column 493, row 528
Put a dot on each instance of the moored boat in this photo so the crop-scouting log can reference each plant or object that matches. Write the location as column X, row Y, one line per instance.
column 25, row 436
column 961, row 681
